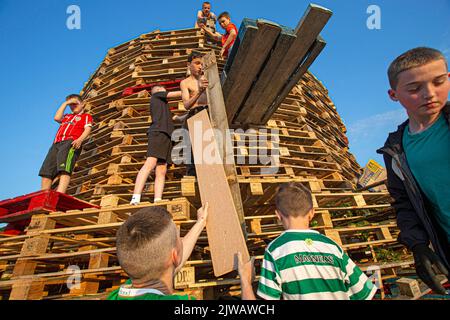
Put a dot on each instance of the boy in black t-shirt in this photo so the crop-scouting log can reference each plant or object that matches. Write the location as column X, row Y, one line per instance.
column 159, row 144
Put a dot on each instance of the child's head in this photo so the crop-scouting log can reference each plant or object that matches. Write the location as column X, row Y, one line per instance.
column 419, row 80
column 294, row 201
column 206, row 8
column 76, row 103
column 195, row 63
column 148, row 245
column 157, row 89
column 224, row 19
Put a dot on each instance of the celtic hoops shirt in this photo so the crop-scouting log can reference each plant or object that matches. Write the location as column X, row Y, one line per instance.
column 305, row 265
column 127, row 292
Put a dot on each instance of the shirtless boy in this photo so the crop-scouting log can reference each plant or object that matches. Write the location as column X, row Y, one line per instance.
column 193, row 93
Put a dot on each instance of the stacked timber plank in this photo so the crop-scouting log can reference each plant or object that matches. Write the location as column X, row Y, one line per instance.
column 304, row 142
column 267, row 61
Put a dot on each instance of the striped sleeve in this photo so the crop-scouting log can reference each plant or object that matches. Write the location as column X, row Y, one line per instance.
column 270, row 282
column 359, row 286
column 89, row 121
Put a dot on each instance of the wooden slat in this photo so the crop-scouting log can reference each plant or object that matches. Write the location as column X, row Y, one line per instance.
column 248, row 62
column 274, row 77
column 225, row 236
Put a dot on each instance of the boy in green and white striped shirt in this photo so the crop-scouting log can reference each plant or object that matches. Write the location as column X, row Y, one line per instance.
column 302, row 264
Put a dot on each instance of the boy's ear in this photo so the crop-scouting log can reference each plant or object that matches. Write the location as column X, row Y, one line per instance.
column 176, row 257
column 278, row 214
column 312, row 213
column 393, row 95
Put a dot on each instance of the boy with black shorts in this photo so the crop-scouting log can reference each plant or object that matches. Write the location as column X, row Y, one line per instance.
column 159, row 144
column 61, row 158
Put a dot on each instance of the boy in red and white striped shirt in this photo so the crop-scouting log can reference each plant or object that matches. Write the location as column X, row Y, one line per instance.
column 66, row 148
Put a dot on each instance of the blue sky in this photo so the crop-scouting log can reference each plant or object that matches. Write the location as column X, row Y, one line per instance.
column 42, row 61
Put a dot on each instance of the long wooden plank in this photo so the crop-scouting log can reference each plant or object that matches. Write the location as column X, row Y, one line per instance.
column 273, row 77
column 247, row 35
column 225, row 235
column 248, row 63
column 259, row 91
column 219, row 121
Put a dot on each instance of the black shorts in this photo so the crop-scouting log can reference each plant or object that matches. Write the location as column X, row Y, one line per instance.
column 193, row 112
column 160, row 146
column 60, row 159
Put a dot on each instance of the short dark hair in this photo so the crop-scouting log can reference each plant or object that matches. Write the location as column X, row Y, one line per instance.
column 293, row 199
column 194, row 55
column 224, row 14
column 206, row 2
column 413, row 58
column 71, row 96
column 144, row 243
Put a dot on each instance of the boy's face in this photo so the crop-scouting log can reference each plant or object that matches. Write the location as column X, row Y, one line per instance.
column 224, row 22
column 196, row 67
column 76, row 107
column 423, row 91
column 206, row 9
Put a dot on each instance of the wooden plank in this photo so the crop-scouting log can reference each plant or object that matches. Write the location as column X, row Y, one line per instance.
column 219, row 121
column 225, row 235
column 249, row 60
column 259, row 91
column 317, row 48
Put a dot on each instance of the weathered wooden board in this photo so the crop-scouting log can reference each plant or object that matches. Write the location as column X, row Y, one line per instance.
column 225, row 235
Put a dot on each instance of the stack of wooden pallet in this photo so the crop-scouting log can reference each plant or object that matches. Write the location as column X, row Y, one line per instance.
column 305, row 142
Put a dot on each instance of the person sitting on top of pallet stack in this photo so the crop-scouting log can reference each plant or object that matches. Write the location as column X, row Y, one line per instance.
column 417, row 159
column 73, row 130
column 159, row 152
column 206, row 18
column 302, row 264
column 150, row 251
column 230, row 36
column 193, row 93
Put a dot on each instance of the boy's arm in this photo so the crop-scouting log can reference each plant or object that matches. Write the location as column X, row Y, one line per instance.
column 216, row 35
column 230, row 39
column 180, row 118
column 174, row 95
column 77, row 143
column 191, row 238
column 59, row 115
column 360, row 287
column 247, row 274
column 412, row 232
column 190, row 101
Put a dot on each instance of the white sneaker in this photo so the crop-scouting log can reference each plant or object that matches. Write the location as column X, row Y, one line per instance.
column 135, row 200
